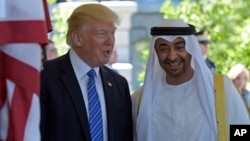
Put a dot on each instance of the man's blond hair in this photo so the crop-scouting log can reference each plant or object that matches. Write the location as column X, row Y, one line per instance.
column 86, row 14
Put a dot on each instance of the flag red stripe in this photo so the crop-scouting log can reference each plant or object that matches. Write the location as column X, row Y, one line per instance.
column 47, row 16
column 3, row 91
column 25, row 77
column 20, row 73
column 18, row 113
column 29, row 31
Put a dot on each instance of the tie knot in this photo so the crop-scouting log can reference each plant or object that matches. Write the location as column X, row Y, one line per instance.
column 91, row 73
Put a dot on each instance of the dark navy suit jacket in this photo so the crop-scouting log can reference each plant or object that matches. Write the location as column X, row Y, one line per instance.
column 63, row 112
column 210, row 65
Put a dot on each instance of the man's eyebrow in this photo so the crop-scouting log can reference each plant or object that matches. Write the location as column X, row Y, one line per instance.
column 101, row 30
column 179, row 42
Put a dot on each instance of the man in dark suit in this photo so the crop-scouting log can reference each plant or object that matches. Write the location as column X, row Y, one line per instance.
column 65, row 108
column 203, row 41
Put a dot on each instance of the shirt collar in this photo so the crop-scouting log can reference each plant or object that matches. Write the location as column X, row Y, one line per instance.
column 79, row 66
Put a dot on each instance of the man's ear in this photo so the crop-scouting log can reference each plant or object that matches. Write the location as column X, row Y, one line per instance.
column 76, row 38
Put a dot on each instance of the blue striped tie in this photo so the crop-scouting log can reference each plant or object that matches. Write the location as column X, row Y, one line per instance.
column 95, row 113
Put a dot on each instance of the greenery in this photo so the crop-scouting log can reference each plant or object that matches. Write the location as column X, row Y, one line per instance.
column 51, row 1
column 228, row 23
column 60, row 13
column 59, row 18
column 142, row 50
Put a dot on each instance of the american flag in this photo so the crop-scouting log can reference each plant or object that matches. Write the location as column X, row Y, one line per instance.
column 23, row 29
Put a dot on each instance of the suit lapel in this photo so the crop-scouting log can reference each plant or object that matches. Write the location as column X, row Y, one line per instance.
column 73, row 89
column 108, row 89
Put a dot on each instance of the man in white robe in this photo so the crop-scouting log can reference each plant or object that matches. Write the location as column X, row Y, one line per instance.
column 176, row 102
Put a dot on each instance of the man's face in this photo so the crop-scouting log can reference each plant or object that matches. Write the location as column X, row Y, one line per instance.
column 113, row 57
column 97, row 42
column 204, row 48
column 240, row 81
column 173, row 57
column 51, row 51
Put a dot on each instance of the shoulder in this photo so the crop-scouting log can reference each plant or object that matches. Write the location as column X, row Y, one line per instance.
column 135, row 94
column 210, row 61
column 237, row 111
column 136, row 100
column 246, row 91
column 55, row 62
column 111, row 73
column 53, row 67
